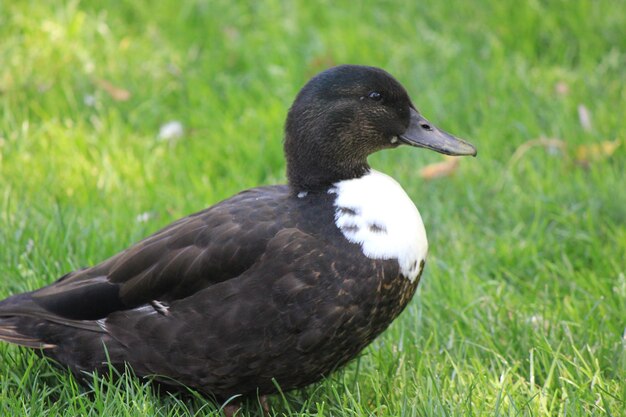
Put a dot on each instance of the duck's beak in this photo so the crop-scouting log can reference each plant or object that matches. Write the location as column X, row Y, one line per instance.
column 423, row 134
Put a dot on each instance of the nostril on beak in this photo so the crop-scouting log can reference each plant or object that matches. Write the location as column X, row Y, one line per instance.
column 426, row 126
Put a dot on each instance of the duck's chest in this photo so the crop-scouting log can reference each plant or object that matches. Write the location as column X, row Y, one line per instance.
column 374, row 212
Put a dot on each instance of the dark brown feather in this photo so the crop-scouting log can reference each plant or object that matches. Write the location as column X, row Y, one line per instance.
column 284, row 296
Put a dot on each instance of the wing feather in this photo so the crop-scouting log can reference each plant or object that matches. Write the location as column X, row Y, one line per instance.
column 196, row 252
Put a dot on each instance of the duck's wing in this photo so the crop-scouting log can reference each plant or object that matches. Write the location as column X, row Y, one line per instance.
column 193, row 253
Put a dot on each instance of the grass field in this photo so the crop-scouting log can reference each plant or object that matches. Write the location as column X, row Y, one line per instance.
column 522, row 309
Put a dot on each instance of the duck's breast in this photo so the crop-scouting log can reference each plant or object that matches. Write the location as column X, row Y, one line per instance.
column 376, row 213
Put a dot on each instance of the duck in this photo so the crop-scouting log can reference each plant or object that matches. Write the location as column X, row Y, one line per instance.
column 277, row 286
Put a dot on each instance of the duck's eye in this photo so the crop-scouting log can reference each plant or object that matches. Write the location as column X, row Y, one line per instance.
column 375, row 95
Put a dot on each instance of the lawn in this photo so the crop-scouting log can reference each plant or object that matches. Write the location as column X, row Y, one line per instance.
column 522, row 308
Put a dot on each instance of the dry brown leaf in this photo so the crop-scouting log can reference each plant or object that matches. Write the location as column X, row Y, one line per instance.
column 440, row 169
column 594, row 152
column 117, row 93
column 547, row 143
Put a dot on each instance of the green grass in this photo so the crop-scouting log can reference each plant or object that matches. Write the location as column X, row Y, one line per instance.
column 522, row 309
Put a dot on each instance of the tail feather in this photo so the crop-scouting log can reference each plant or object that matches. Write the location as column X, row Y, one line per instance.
column 22, row 305
column 81, row 345
column 21, row 319
column 9, row 333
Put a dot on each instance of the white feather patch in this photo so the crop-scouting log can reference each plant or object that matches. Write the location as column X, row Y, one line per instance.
column 375, row 212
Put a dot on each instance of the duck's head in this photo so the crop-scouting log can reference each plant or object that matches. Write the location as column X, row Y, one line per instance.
column 346, row 113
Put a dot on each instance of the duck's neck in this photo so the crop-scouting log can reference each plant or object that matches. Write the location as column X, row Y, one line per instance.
column 317, row 172
column 321, row 150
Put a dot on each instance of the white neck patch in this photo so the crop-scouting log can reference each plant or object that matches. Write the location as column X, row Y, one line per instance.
column 375, row 212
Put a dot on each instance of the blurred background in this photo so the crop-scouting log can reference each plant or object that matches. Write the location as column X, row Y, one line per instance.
column 117, row 117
